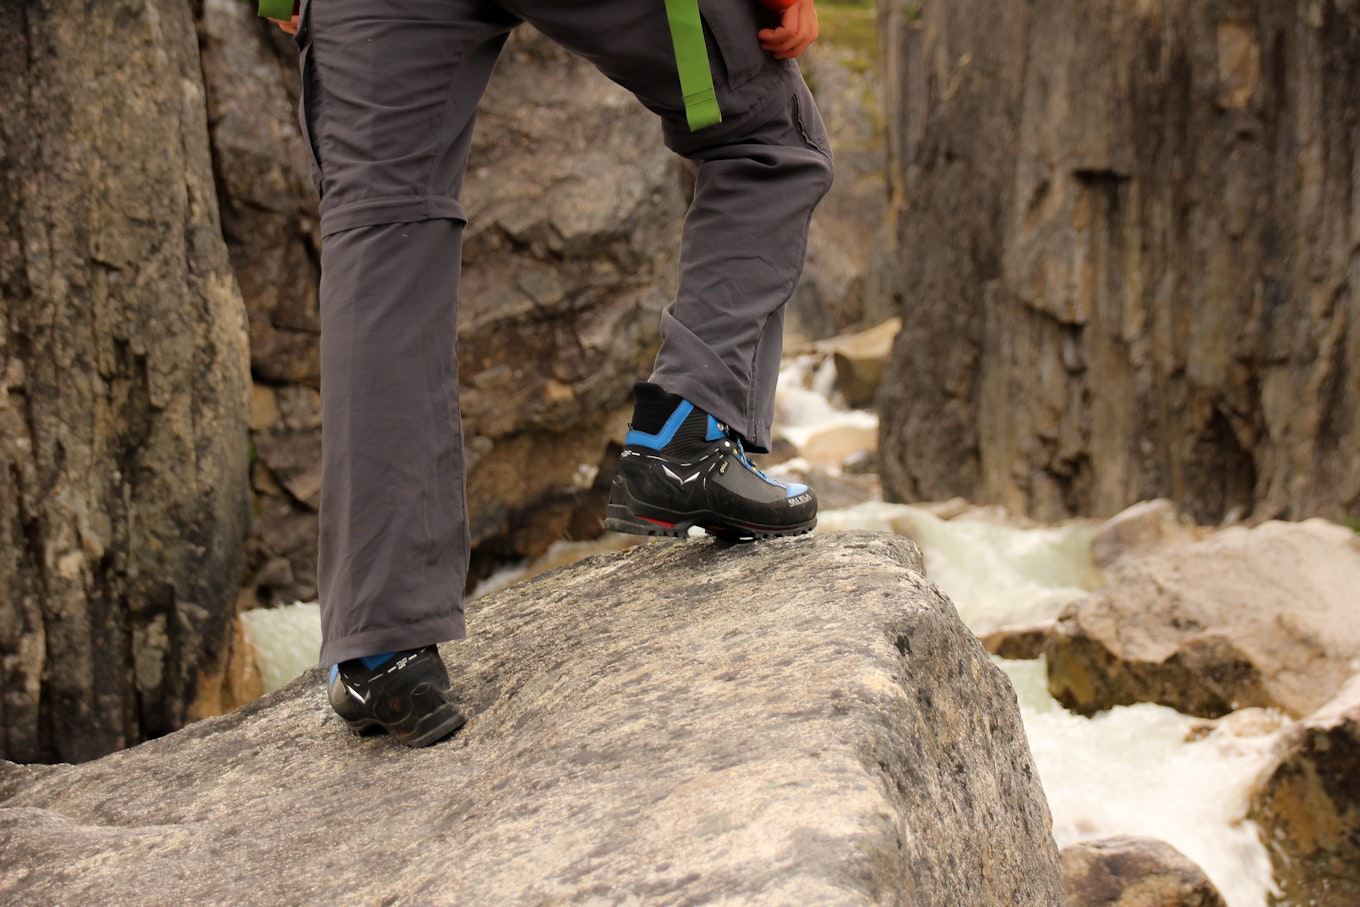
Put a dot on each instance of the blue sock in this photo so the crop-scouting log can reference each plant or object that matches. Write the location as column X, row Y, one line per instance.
column 373, row 661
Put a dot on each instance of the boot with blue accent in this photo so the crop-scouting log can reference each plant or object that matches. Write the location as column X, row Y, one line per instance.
column 405, row 694
column 682, row 468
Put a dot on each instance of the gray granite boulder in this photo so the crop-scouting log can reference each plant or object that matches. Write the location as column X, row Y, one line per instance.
column 804, row 721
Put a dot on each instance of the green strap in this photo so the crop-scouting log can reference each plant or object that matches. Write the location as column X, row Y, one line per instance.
column 691, row 59
column 276, row 9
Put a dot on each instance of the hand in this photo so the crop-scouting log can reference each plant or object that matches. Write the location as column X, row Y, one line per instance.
column 795, row 33
column 290, row 26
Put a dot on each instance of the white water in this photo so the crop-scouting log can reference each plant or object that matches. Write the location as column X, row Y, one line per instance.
column 286, row 640
column 996, row 575
column 806, row 403
column 1138, row 770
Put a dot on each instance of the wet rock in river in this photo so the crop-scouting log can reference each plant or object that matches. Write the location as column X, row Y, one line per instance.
column 1248, row 617
column 1128, row 871
column 1308, row 807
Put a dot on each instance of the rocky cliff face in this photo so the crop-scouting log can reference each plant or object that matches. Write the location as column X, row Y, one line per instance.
column 650, row 726
column 123, row 371
column 1124, row 251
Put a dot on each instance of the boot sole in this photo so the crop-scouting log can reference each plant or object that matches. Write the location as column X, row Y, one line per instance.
column 431, row 728
column 623, row 518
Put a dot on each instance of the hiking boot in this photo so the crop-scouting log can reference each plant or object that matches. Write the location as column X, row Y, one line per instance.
column 407, row 696
column 681, row 468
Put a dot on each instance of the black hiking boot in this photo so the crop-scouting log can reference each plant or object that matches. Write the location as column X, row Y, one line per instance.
column 681, row 468
column 407, row 696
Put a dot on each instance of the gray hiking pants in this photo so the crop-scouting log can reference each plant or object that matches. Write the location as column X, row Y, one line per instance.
column 390, row 89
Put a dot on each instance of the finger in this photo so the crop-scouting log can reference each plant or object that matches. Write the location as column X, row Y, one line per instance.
column 779, row 40
column 775, row 39
column 790, row 47
column 807, row 27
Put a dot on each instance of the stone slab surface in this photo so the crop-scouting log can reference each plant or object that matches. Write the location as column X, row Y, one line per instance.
column 804, row 721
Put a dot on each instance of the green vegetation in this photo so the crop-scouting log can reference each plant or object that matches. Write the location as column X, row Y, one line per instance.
column 852, row 24
column 1353, row 522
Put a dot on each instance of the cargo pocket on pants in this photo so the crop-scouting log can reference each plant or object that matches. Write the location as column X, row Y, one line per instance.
column 733, row 26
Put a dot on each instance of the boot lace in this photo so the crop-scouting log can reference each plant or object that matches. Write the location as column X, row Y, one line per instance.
column 743, row 458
